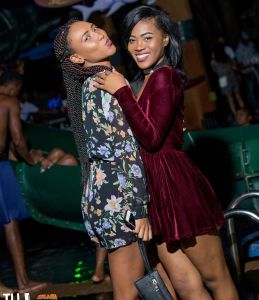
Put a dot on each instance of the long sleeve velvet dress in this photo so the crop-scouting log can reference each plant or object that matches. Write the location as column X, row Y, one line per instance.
column 183, row 203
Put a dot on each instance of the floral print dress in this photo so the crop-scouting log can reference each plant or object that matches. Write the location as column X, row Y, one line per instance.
column 116, row 180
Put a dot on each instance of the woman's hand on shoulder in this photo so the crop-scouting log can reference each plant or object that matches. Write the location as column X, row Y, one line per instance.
column 143, row 229
column 109, row 81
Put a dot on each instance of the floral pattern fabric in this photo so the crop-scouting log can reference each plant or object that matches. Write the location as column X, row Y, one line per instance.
column 116, row 181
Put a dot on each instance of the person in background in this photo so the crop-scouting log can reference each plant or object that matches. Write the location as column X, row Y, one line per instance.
column 184, row 212
column 27, row 107
column 243, row 117
column 227, row 79
column 12, row 207
column 248, row 58
column 56, row 156
column 229, row 51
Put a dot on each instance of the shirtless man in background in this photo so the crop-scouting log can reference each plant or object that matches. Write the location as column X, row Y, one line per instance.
column 12, row 207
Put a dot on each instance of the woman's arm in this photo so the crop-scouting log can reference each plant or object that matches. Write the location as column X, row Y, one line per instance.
column 151, row 127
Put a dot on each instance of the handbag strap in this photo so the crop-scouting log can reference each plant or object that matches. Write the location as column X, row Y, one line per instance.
column 144, row 256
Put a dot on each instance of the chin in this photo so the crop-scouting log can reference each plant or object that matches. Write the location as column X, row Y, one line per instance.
column 113, row 50
column 144, row 65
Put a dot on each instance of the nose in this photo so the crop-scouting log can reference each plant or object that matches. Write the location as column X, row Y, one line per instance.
column 100, row 36
column 139, row 46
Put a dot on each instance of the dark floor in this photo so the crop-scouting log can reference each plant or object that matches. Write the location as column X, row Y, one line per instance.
column 66, row 258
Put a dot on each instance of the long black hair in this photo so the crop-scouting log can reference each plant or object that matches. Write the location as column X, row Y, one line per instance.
column 173, row 51
column 74, row 75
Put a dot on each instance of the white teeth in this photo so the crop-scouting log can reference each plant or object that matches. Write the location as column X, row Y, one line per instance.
column 141, row 57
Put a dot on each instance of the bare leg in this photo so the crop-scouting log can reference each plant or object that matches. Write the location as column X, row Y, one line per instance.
column 157, row 265
column 161, row 270
column 99, row 275
column 126, row 267
column 58, row 157
column 67, row 160
column 207, row 255
column 231, row 104
column 55, row 154
column 240, row 100
column 183, row 274
column 15, row 247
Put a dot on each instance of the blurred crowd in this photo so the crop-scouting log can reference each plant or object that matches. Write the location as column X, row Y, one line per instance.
column 237, row 79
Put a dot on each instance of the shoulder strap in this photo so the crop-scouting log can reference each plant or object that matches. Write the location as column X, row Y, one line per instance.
column 144, row 256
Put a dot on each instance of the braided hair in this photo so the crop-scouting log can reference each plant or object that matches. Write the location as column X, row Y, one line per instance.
column 74, row 76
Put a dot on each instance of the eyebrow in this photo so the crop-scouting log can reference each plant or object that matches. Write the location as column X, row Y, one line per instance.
column 87, row 31
column 143, row 34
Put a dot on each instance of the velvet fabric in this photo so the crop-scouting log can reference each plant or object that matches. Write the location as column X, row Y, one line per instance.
column 183, row 203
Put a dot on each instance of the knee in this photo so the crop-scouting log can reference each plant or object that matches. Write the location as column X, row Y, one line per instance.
column 126, row 293
column 221, row 285
column 216, row 279
column 188, row 284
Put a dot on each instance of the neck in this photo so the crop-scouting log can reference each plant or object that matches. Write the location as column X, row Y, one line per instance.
column 106, row 63
column 161, row 62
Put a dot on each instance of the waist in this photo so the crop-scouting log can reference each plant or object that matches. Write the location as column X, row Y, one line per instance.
column 161, row 152
column 99, row 160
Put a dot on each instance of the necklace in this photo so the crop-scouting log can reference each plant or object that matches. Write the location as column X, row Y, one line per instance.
column 155, row 67
column 148, row 71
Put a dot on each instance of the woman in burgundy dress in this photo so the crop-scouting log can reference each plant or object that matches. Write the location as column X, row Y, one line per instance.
column 184, row 211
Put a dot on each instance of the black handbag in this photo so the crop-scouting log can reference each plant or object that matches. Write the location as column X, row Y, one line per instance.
column 151, row 286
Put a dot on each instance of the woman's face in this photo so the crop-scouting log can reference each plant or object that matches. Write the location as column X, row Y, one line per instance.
column 147, row 44
column 91, row 44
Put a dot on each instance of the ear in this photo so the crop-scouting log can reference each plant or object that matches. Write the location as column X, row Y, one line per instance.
column 166, row 40
column 76, row 59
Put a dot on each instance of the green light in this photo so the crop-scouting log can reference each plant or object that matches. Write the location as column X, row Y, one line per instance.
column 78, row 275
column 77, row 270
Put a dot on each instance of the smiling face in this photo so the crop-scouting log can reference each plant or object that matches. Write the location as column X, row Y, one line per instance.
column 90, row 44
column 147, row 44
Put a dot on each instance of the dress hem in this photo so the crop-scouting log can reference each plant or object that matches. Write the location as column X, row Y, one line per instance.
column 201, row 231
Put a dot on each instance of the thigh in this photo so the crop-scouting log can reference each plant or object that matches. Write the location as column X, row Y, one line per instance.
column 156, row 264
column 126, row 266
column 178, row 266
column 206, row 253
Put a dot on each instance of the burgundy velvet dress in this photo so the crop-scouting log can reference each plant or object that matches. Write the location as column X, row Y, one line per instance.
column 183, row 203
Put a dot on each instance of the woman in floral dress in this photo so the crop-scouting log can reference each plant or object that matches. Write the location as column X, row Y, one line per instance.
column 112, row 171
column 116, row 181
